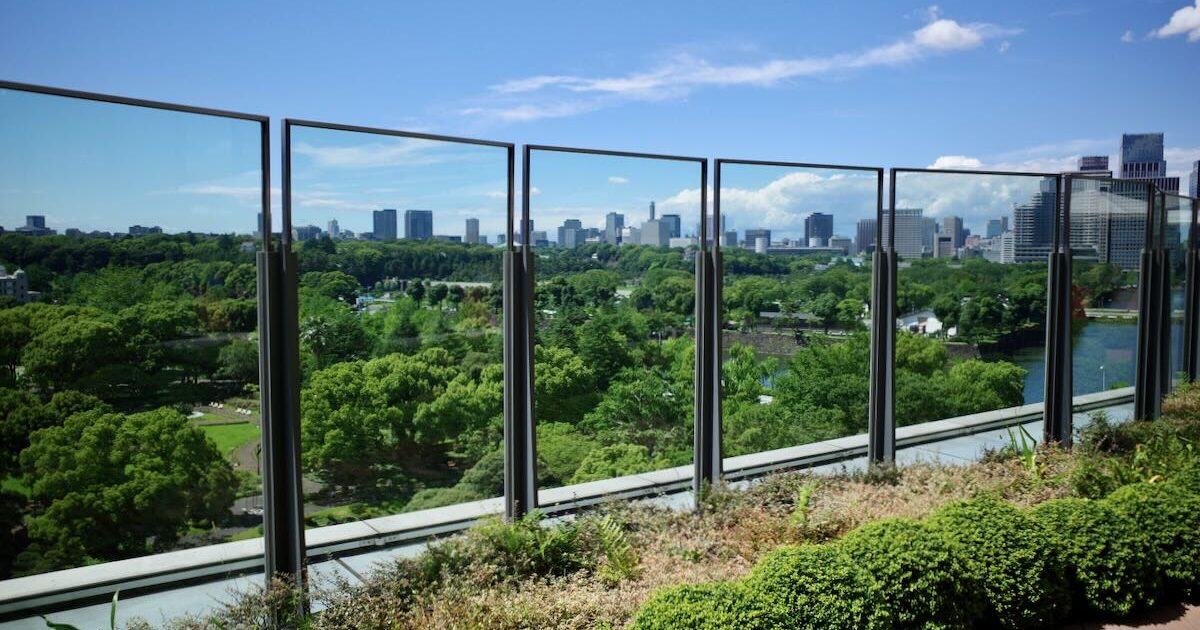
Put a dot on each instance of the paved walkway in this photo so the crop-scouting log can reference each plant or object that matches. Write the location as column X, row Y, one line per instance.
column 1177, row 617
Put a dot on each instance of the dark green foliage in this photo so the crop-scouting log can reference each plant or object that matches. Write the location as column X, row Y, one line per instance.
column 927, row 581
column 1108, row 560
column 716, row 606
column 1011, row 558
column 819, row 586
column 1168, row 516
column 1133, row 452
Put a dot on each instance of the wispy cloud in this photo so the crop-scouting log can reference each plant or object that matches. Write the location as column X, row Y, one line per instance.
column 382, row 153
column 560, row 95
column 618, row 180
column 1128, row 37
column 1184, row 21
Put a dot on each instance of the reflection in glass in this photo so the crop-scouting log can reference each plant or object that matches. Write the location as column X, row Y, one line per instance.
column 796, row 244
column 615, row 240
column 400, row 305
column 1107, row 235
column 971, row 293
column 1176, row 234
column 128, row 314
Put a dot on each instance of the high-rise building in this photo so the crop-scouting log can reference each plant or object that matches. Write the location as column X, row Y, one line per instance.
column 818, row 229
column 729, row 238
column 953, row 227
column 674, row 224
column 656, row 232
column 710, row 232
column 914, row 232
column 841, row 242
column 753, row 235
column 614, row 222
column 1194, row 183
column 1142, row 158
column 1093, row 163
column 472, row 231
column 35, row 225
column 142, row 230
column 1033, row 223
column 943, row 245
column 652, row 217
column 996, row 227
column 306, row 232
column 569, row 233
column 333, row 229
column 385, row 224
column 418, row 225
column 864, row 237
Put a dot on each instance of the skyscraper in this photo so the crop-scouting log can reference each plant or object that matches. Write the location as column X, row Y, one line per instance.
column 1033, row 223
column 753, row 235
column 864, row 237
column 1194, row 184
column 418, row 224
column 472, row 231
column 614, row 222
column 569, row 233
column 652, row 211
column 656, row 232
column 953, row 227
column 818, row 229
column 914, row 232
column 333, row 229
column 1142, row 158
column 35, row 225
column 996, row 227
column 1093, row 163
column 674, row 224
column 385, row 224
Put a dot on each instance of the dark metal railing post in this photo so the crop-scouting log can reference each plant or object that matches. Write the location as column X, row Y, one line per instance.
column 520, row 470
column 881, row 421
column 1191, row 309
column 707, row 395
column 1146, row 395
column 283, row 496
column 1056, row 404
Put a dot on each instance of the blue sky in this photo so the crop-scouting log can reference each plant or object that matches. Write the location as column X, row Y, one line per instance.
column 1016, row 85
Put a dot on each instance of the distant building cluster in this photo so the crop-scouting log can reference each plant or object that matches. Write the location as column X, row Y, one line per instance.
column 35, row 225
column 385, row 226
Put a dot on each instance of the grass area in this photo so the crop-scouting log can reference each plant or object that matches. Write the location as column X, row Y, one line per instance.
column 253, row 532
column 210, row 417
column 230, row 437
column 15, row 484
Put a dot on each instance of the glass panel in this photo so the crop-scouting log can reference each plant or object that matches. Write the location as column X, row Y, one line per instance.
column 1175, row 241
column 400, row 313
column 1108, row 230
column 615, row 240
column 128, row 315
column 796, row 244
column 971, row 294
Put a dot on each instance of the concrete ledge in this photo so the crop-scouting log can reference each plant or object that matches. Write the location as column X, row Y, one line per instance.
column 72, row 587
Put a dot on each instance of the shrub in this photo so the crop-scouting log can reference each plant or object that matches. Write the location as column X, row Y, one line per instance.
column 1168, row 516
column 819, row 586
column 1106, row 558
column 926, row 582
column 715, row 606
column 1011, row 558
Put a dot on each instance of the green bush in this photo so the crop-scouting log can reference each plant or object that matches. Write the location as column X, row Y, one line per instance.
column 926, row 582
column 1106, row 558
column 1137, row 452
column 714, row 606
column 1011, row 558
column 819, row 586
column 1168, row 516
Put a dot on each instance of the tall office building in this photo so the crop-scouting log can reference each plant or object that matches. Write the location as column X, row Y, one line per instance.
column 333, row 229
column 1033, row 223
column 864, row 237
column 953, row 227
column 570, row 233
column 614, row 222
column 674, row 224
column 1194, row 183
column 306, row 233
column 35, row 225
column 753, row 235
column 472, row 231
column 1142, row 158
column 652, row 217
column 418, row 225
column 914, row 232
column 996, row 227
column 656, row 232
column 385, row 225
column 818, row 229
column 1093, row 163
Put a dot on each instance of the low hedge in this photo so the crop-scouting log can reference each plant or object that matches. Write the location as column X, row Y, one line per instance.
column 1168, row 518
column 1013, row 560
column 819, row 586
column 713, row 606
column 924, row 578
column 1108, row 560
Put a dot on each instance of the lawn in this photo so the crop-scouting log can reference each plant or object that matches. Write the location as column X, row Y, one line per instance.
column 229, row 437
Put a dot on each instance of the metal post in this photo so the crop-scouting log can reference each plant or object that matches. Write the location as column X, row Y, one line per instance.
column 1146, row 389
column 707, row 422
column 1191, row 292
column 520, row 474
column 881, row 422
column 1056, row 404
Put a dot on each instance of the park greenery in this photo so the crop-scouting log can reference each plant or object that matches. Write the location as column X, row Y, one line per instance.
column 402, row 392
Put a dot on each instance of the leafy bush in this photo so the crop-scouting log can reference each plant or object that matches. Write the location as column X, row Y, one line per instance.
column 715, row 606
column 927, row 583
column 1012, row 559
column 620, row 559
column 1107, row 559
column 1138, row 452
column 819, row 586
column 1168, row 516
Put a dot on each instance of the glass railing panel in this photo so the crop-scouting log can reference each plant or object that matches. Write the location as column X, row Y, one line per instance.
column 1176, row 234
column 972, row 254
column 796, row 242
column 1107, row 237
column 129, row 407
column 615, row 241
column 398, row 242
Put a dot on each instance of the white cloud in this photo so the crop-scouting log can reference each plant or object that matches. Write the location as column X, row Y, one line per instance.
column 1183, row 21
column 1128, row 37
column 956, row 161
column 1004, row 46
column 541, row 96
column 618, row 180
column 389, row 152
